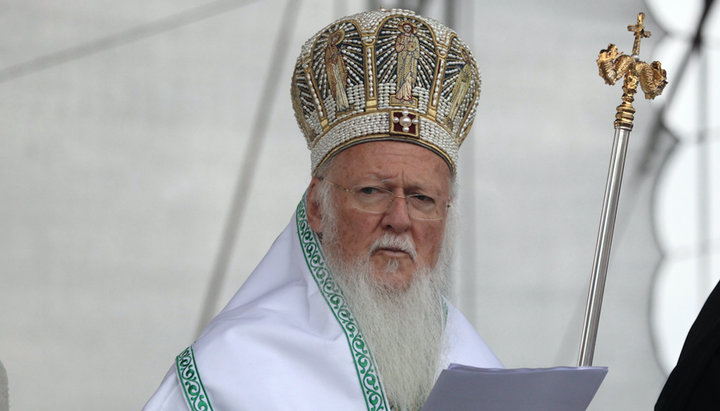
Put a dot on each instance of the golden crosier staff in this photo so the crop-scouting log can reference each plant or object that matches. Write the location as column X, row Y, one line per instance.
column 652, row 79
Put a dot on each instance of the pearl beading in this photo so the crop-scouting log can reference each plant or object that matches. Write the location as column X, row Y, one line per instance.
column 369, row 60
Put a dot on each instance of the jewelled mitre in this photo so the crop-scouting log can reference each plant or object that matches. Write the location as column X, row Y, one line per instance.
column 385, row 75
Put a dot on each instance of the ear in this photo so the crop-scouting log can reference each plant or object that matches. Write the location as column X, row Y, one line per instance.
column 314, row 210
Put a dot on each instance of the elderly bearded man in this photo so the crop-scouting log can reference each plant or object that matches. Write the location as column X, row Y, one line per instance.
column 346, row 311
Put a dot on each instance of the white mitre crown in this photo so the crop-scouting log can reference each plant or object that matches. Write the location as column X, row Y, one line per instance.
column 385, row 75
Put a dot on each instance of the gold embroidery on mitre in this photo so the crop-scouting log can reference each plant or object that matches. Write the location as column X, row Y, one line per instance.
column 375, row 75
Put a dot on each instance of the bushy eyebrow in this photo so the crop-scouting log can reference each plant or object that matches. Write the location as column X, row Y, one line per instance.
column 380, row 179
column 411, row 188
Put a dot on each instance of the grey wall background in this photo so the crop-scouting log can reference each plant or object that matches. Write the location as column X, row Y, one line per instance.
column 125, row 125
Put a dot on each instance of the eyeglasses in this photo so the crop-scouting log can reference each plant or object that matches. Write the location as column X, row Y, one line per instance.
column 377, row 200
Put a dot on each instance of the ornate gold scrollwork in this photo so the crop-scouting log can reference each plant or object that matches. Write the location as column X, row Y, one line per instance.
column 614, row 65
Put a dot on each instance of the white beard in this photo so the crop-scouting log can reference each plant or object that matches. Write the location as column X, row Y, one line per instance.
column 403, row 327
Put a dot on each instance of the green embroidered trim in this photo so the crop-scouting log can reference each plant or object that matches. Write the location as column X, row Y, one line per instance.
column 364, row 365
column 190, row 381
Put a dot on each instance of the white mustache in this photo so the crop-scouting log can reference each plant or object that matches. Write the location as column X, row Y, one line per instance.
column 400, row 242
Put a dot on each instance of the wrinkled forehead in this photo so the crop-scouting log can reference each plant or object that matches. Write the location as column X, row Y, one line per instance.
column 393, row 162
column 376, row 145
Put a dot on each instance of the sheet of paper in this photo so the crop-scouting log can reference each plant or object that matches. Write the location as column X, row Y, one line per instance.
column 461, row 388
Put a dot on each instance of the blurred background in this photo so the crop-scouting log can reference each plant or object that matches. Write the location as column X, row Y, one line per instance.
column 149, row 156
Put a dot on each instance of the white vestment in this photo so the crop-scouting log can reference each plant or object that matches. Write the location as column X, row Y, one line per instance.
column 287, row 340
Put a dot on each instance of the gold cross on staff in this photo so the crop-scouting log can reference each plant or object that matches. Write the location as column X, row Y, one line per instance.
column 640, row 33
column 614, row 65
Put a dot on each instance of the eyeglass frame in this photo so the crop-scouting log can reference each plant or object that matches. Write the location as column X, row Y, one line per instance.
column 394, row 196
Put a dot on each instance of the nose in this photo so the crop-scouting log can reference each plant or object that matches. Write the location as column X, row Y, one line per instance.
column 396, row 217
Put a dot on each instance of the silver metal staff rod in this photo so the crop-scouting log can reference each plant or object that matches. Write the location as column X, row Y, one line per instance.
column 652, row 78
column 602, row 246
